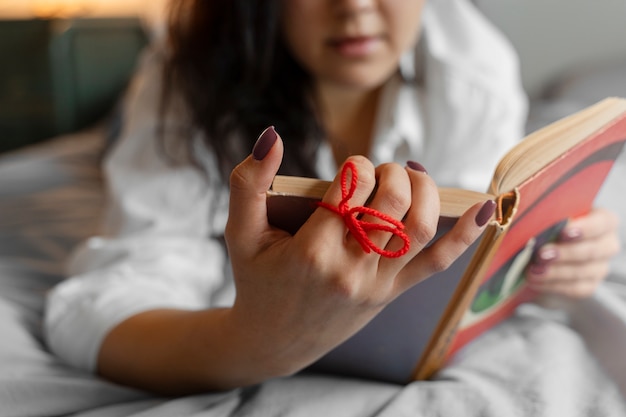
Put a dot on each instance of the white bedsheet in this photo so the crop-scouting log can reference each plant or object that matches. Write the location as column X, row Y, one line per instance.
column 532, row 365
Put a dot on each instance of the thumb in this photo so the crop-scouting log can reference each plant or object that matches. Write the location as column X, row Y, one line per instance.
column 249, row 182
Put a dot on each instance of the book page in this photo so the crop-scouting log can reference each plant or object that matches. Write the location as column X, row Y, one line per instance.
column 545, row 145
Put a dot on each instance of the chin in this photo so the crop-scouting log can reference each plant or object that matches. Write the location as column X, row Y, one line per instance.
column 362, row 81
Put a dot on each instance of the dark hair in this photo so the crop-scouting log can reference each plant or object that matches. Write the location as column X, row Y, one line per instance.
column 229, row 61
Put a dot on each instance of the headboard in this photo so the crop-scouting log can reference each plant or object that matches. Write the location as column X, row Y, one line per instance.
column 58, row 75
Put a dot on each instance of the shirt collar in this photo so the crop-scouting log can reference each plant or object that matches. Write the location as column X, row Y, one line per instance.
column 398, row 132
column 398, row 129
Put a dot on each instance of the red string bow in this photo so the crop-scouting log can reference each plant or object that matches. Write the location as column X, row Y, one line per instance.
column 359, row 228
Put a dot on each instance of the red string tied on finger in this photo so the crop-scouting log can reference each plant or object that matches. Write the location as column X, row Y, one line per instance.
column 358, row 227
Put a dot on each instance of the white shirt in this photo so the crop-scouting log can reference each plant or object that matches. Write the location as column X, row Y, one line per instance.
column 163, row 246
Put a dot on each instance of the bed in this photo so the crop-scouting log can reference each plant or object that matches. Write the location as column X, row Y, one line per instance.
column 538, row 363
column 51, row 197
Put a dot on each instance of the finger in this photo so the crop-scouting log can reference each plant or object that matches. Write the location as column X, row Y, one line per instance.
column 365, row 175
column 249, row 182
column 445, row 249
column 391, row 199
column 325, row 222
column 600, row 248
column 421, row 218
column 596, row 223
column 574, row 289
column 558, row 273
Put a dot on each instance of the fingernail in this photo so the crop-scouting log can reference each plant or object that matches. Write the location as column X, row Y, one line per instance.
column 546, row 255
column 264, row 143
column 485, row 213
column 570, row 233
column 537, row 269
column 416, row 166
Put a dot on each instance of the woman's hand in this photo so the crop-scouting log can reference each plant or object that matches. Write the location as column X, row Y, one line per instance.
column 578, row 262
column 299, row 296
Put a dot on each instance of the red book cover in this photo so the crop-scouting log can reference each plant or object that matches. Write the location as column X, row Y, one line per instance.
column 564, row 189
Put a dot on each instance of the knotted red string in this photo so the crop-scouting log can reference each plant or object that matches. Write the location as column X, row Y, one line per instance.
column 359, row 228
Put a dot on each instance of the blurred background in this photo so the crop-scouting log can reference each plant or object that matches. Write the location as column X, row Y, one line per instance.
column 63, row 63
column 556, row 37
column 24, row 9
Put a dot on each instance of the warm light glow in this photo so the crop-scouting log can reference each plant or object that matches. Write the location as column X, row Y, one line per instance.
column 19, row 9
column 60, row 8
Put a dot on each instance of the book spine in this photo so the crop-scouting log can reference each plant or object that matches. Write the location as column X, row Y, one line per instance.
column 436, row 352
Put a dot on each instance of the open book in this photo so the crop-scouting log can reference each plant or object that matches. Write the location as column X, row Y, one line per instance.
column 552, row 175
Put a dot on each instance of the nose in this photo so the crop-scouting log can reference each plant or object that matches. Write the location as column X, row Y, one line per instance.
column 346, row 8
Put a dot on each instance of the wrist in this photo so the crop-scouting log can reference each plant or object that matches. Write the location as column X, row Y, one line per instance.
column 263, row 350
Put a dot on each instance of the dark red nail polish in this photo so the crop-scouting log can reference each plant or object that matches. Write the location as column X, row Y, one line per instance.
column 537, row 269
column 546, row 255
column 485, row 213
column 570, row 234
column 416, row 166
column 264, row 143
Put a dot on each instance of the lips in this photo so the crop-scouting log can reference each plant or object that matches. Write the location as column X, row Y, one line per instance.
column 356, row 46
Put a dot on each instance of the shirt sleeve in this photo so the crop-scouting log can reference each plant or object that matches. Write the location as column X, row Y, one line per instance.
column 161, row 247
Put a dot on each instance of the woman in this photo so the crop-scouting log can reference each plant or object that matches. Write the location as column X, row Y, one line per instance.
column 153, row 304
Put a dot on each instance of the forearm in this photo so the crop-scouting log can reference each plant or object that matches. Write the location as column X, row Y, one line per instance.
column 181, row 352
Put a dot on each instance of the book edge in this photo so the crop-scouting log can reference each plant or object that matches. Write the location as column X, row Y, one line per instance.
column 435, row 353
